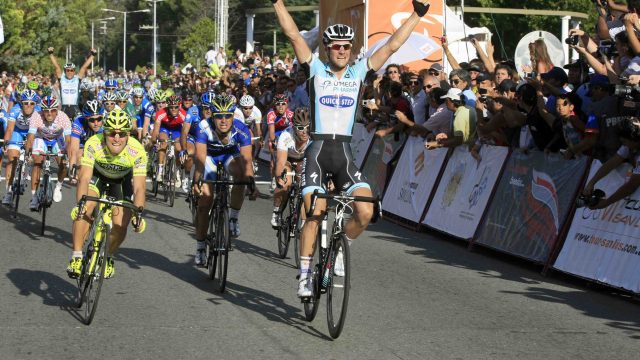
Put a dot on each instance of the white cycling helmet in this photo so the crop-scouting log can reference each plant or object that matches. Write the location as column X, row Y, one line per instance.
column 246, row 101
column 337, row 32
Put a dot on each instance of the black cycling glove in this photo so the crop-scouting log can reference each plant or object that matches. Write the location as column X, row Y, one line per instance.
column 420, row 8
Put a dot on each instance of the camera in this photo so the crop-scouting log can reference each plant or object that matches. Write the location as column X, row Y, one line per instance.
column 591, row 200
column 532, row 74
column 572, row 40
column 608, row 48
column 630, row 91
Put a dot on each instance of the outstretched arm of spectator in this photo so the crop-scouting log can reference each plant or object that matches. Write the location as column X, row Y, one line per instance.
column 614, row 6
column 290, row 29
column 597, row 66
column 488, row 64
column 450, row 58
column 630, row 23
column 54, row 61
column 85, row 66
column 585, row 39
column 601, row 26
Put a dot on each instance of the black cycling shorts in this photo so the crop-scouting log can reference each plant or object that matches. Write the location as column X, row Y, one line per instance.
column 330, row 156
column 120, row 189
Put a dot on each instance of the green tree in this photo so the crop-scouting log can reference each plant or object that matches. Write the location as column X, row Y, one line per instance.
column 201, row 34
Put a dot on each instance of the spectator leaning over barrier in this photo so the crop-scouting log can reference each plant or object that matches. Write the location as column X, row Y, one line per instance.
column 418, row 99
column 572, row 121
column 602, row 117
column 629, row 134
column 578, row 72
column 464, row 122
column 461, row 80
column 539, row 130
column 396, row 106
column 438, row 122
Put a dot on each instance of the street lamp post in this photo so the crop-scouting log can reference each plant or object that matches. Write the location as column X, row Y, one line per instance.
column 155, row 37
column 124, row 35
column 92, row 29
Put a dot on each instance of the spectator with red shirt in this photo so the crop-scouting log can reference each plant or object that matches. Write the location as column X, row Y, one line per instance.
column 168, row 123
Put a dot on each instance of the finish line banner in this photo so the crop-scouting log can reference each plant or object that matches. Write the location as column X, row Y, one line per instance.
column 531, row 204
column 413, row 180
column 376, row 165
column 360, row 143
column 464, row 190
column 604, row 245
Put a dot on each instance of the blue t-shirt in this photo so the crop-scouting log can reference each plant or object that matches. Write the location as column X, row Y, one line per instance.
column 335, row 101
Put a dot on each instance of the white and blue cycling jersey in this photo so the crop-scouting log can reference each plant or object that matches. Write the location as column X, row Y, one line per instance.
column 334, row 101
column 193, row 118
column 216, row 150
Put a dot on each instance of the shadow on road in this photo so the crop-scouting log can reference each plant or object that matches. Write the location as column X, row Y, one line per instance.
column 262, row 253
column 52, row 289
column 441, row 249
column 30, row 226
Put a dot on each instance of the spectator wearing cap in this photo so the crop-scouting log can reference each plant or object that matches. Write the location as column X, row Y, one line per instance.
column 475, row 68
column 437, row 70
column 464, row 122
column 555, row 82
column 506, row 89
column 461, row 80
column 578, row 71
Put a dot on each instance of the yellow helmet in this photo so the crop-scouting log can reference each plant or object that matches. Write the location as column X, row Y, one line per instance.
column 117, row 120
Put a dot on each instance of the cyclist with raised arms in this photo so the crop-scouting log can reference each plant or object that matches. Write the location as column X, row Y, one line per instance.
column 292, row 144
column 83, row 127
column 335, row 87
column 111, row 157
column 16, row 134
column 168, row 125
column 53, row 129
column 220, row 138
column 70, row 82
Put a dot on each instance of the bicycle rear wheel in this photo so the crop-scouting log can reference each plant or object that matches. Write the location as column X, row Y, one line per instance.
column 338, row 288
column 295, row 231
column 212, row 253
column 222, row 246
column 154, row 179
column 44, row 201
column 170, row 189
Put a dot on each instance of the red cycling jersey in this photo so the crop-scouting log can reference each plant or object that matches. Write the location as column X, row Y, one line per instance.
column 280, row 122
column 167, row 122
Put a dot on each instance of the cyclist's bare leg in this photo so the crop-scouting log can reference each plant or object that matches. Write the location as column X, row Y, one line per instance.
column 81, row 226
column 311, row 225
column 35, row 172
column 162, row 147
column 204, row 204
column 188, row 164
column 281, row 195
column 362, row 213
column 237, row 193
column 121, row 218
column 62, row 168
column 12, row 161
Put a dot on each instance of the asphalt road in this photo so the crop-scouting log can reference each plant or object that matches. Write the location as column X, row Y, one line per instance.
column 414, row 296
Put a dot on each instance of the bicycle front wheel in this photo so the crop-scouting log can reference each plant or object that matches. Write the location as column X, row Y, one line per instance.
column 94, row 265
column 221, row 262
column 170, row 189
column 44, row 201
column 283, row 235
column 338, row 288
column 154, row 178
column 17, row 187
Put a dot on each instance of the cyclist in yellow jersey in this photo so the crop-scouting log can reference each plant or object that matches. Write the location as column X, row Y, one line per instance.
column 116, row 158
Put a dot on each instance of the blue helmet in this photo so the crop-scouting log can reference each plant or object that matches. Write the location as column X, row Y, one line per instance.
column 223, row 103
column 92, row 108
column 111, row 83
column 207, row 98
column 29, row 95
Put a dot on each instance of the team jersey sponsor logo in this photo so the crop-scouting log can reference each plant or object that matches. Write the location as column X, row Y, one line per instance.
column 337, row 101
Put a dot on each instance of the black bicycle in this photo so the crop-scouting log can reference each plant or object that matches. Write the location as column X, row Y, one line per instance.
column 45, row 189
column 20, row 178
column 218, row 241
column 290, row 219
column 326, row 278
column 95, row 249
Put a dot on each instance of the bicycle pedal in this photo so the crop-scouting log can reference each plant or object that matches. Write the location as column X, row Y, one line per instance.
column 306, row 299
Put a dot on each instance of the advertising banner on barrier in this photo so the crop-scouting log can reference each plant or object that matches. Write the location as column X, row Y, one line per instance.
column 531, row 204
column 413, row 180
column 375, row 167
column 360, row 143
column 604, row 245
column 464, row 190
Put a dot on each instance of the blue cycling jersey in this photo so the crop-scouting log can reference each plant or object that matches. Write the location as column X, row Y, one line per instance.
column 239, row 137
column 22, row 122
column 334, row 101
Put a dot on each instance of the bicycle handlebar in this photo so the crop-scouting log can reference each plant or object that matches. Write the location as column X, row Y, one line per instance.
column 136, row 210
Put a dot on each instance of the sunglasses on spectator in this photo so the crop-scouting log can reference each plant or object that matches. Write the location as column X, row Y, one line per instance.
column 338, row 47
column 28, row 103
column 413, row 82
column 108, row 103
column 428, row 86
column 113, row 133
column 455, row 81
column 221, row 116
column 301, row 128
column 94, row 119
column 392, row 72
column 433, row 72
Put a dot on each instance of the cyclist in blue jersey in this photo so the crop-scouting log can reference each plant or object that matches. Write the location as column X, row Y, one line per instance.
column 334, row 90
column 220, row 138
column 16, row 134
column 159, row 102
column 137, row 108
column 189, row 131
column 110, row 87
column 82, row 128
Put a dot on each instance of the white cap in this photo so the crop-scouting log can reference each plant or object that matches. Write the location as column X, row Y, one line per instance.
column 453, row 94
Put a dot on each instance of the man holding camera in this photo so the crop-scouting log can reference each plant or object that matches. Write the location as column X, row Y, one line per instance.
column 70, row 82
